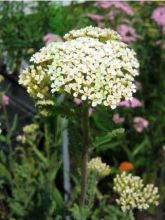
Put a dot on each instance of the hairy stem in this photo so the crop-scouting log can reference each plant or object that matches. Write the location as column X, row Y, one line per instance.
column 85, row 155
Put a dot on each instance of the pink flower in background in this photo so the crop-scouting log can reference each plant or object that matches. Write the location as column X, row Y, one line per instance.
column 103, row 4
column 140, row 123
column 117, row 119
column 5, row 100
column 111, row 15
column 77, row 101
column 124, row 103
column 133, row 103
column 158, row 15
column 127, row 33
column 95, row 17
column 48, row 38
column 122, row 6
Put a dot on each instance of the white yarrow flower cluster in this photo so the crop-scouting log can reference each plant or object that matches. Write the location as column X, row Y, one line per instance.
column 93, row 32
column 93, row 65
column 133, row 194
column 96, row 165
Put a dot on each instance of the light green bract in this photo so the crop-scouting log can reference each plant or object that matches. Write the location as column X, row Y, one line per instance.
column 93, row 64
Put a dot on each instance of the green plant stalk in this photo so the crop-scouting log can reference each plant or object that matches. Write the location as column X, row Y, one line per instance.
column 8, row 136
column 85, row 153
column 47, row 140
column 131, row 215
column 91, row 190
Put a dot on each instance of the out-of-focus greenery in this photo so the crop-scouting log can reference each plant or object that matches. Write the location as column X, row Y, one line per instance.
column 29, row 164
column 24, row 24
column 22, row 29
column 28, row 185
column 64, row 19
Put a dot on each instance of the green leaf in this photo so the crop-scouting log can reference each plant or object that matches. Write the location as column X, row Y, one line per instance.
column 108, row 137
column 4, row 173
column 140, row 147
column 17, row 208
column 2, row 138
column 14, row 124
column 57, row 198
column 40, row 156
column 108, row 146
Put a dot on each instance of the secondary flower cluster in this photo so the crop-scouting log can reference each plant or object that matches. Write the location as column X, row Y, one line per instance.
column 96, row 165
column 36, row 80
column 133, row 194
column 93, row 64
column 28, row 131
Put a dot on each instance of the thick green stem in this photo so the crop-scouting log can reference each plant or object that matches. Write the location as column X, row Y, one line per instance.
column 91, row 190
column 131, row 215
column 85, row 155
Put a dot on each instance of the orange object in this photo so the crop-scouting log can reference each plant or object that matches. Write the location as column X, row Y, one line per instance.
column 126, row 166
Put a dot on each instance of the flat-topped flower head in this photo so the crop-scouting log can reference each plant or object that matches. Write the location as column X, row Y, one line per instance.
column 133, row 194
column 93, row 32
column 97, row 166
column 93, row 65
